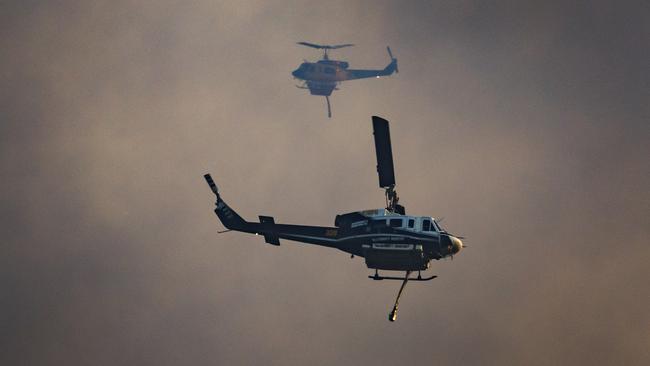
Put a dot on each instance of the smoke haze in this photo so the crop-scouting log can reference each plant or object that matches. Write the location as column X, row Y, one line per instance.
column 524, row 124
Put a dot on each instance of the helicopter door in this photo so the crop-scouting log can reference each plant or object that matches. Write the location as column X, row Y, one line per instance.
column 379, row 225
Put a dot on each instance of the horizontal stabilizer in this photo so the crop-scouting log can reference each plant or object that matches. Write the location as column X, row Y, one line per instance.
column 267, row 223
column 272, row 239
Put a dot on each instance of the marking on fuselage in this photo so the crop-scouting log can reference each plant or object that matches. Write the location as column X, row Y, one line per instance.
column 223, row 208
column 359, row 223
column 385, row 246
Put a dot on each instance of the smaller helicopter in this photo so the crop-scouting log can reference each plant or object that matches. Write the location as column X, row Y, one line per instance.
column 388, row 239
column 322, row 77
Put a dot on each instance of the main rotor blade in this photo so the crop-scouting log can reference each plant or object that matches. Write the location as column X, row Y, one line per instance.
column 312, row 45
column 341, row 45
column 384, row 152
column 324, row 47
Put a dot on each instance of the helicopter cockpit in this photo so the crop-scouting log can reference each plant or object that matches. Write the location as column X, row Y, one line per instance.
column 429, row 224
column 302, row 69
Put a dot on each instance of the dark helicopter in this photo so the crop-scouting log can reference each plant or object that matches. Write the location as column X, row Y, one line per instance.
column 322, row 77
column 387, row 238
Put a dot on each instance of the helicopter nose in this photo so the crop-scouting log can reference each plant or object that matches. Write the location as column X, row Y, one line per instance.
column 295, row 73
column 456, row 244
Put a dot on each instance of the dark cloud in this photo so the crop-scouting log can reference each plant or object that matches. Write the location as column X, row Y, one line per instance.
column 525, row 124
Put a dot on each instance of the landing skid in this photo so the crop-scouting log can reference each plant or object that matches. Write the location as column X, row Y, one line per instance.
column 376, row 277
column 392, row 316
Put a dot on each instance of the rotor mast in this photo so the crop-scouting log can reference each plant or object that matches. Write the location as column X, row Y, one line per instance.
column 392, row 199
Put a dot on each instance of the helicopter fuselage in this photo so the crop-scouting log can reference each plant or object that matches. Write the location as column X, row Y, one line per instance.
column 332, row 71
column 392, row 241
column 386, row 240
column 322, row 71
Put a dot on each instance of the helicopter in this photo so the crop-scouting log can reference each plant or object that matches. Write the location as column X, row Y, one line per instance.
column 322, row 77
column 387, row 238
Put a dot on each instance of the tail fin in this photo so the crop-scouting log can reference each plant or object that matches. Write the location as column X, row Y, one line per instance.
column 229, row 218
column 392, row 66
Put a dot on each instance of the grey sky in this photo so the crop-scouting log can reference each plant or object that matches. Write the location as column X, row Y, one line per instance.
column 524, row 124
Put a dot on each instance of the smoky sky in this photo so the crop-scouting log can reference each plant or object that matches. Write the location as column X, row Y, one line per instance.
column 524, row 124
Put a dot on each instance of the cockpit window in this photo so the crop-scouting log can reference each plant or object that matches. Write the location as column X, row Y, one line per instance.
column 426, row 225
column 395, row 222
column 435, row 226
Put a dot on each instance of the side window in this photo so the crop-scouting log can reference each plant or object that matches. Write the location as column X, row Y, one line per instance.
column 395, row 222
column 411, row 223
column 426, row 225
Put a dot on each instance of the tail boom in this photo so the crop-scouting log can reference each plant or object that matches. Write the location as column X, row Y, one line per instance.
column 319, row 235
